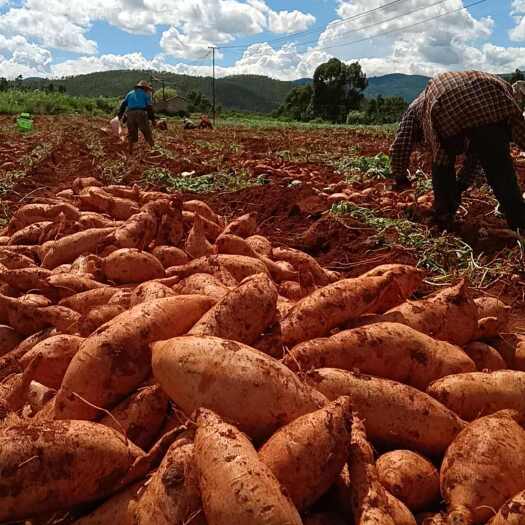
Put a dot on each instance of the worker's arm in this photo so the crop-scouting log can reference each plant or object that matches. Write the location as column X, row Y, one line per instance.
column 407, row 136
column 122, row 108
column 149, row 108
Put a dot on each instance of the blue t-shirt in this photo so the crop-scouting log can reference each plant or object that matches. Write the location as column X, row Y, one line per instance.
column 138, row 99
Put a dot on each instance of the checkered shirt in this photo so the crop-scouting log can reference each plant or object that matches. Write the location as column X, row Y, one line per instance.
column 451, row 104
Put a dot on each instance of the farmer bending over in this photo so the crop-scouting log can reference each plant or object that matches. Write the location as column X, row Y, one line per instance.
column 138, row 106
column 473, row 113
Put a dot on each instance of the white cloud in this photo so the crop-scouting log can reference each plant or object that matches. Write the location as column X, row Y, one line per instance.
column 289, row 21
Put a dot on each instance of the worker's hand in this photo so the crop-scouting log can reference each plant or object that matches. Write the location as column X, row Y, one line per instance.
column 401, row 184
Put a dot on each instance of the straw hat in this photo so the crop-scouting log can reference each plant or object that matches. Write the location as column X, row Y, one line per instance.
column 144, row 85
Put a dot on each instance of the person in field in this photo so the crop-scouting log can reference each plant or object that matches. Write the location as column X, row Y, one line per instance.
column 473, row 113
column 205, row 122
column 138, row 107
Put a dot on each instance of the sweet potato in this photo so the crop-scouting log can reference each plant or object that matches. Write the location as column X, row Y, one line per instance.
column 137, row 232
column 26, row 279
column 333, row 305
column 57, row 352
column 129, row 265
column 150, row 290
column 119, row 509
column 116, row 358
column 240, row 267
column 390, row 350
column 478, row 394
column 394, row 414
column 35, row 299
column 141, row 416
column 68, row 284
column 68, row 248
column 483, row 467
column 83, row 302
column 96, row 317
column 242, row 226
column 408, row 278
column 38, row 396
column 122, row 298
column 203, row 210
column 243, row 314
column 239, row 383
column 84, row 182
column 292, row 290
column 493, row 316
column 171, row 228
column 237, row 488
column 409, row 477
column 196, row 243
column 15, row 261
column 124, row 192
column 306, row 473
column 88, row 264
column 450, row 315
column 305, row 263
column 512, row 512
column 32, row 213
column 91, row 219
column 485, row 357
column 172, row 495
column 9, row 339
column 35, row 233
column 170, row 256
column 99, row 200
column 57, row 464
column 202, row 283
column 370, row 504
column 261, row 245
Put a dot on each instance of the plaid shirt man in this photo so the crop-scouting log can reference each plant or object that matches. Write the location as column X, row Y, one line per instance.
column 452, row 104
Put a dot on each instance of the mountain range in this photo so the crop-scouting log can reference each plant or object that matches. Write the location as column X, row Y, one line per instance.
column 241, row 92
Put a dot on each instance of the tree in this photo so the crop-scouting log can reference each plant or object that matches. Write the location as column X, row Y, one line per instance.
column 50, row 88
column 4, row 84
column 337, row 89
column 61, row 89
column 198, row 103
column 164, row 94
column 517, row 75
column 297, row 102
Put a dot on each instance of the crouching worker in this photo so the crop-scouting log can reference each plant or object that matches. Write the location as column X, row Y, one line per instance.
column 472, row 113
column 138, row 107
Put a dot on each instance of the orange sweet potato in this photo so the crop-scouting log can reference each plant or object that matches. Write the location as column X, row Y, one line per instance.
column 97, row 317
column 243, row 226
column 129, row 265
column 485, row 357
column 202, row 283
column 170, row 256
column 197, row 245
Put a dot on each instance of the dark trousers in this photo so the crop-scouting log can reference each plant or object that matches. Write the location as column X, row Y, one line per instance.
column 491, row 145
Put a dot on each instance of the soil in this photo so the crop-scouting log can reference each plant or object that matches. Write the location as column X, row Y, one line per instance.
column 300, row 164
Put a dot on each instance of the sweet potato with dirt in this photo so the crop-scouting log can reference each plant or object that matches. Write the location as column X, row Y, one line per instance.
column 485, row 357
column 26, row 279
column 243, row 314
column 241, row 384
column 237, row 487
column 57, row 352
column 333, row 305
column 123, row 191
column 68, row 248
column 32, row 213
column 306, row 471
column 68, row 284
column 35, row 233
column 137, row 232
column 38, row 396
column 451, row 315
column 172, row 495
column 204, row 284
column 149, row 291
column 238, row 266
column 84, row 182
column 395, row 414
column 202, row 209
column 369, row 502
column 477, row 394
column 483, row 467
column 140, row 416
column 92, row 219
column 260, row 245
column 170, row 256
column 96, row 317
column 98, row 199
column 129, row 265
column 116, row 359
column 88, row 264
column 305, row 263
column 58, row 464
column 243, row 226
column 15, row 261
column 493, row 316
column 409, row 477
column 389, row 350
column 9, row 339
column 197, row 245
column 83, row 302
column 35, row 299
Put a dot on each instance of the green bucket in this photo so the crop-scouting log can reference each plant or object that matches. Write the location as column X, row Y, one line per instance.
column 24, row 122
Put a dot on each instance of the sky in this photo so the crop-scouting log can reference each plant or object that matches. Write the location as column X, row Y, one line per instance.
column 281, row 39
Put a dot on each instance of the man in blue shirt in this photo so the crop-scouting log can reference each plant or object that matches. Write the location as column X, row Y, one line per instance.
column 138, row 106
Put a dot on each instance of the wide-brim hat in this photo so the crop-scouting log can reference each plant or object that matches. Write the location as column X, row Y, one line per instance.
column 144, row 85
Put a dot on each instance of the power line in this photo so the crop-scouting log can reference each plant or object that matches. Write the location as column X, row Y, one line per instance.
column 310, row 31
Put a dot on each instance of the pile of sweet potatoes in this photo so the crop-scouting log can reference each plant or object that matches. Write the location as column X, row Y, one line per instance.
column 160, row 364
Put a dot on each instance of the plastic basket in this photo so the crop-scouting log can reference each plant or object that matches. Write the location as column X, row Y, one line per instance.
column 24, row 122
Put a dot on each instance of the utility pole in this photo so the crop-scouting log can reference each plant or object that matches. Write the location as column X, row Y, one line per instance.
column 213, row 81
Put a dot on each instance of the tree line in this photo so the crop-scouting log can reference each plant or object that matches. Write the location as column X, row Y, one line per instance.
column 336, row 95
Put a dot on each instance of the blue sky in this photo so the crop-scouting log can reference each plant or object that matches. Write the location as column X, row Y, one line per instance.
column 66, row 37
